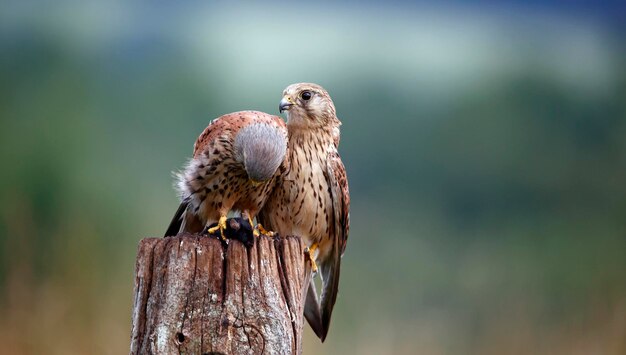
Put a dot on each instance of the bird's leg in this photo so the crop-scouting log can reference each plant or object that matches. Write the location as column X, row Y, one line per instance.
column 221, row 226
column 255, row 230
column 309, row 253
column 246, row 215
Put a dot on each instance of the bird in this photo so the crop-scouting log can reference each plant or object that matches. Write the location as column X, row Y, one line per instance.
column 311, row 199
column 234, row 167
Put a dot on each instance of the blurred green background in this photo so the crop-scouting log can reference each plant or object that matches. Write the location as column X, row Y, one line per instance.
column 485, row 147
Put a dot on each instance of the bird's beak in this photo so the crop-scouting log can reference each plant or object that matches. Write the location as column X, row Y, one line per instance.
column 285, row 104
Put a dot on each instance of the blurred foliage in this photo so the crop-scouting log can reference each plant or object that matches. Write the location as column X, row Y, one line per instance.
column 486, row 158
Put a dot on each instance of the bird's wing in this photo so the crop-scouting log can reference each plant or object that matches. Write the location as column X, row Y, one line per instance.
column 330, row 268
column 227, row 126
column 338, row 183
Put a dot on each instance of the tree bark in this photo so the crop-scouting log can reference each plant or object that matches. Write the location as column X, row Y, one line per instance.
column 196, row 295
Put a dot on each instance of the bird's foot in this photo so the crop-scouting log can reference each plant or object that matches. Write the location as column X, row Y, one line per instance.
column 221, row 226
column 309, row 254
column 262, row 231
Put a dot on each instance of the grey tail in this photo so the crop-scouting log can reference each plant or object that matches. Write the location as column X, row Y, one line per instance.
column 312, row 310
column 177, row 220
column 184, row 221
column 330, row 281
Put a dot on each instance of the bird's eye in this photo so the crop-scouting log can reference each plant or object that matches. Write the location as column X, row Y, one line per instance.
column 306, row 95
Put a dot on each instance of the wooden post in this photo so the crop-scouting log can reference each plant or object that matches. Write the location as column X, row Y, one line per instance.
column 196, row 295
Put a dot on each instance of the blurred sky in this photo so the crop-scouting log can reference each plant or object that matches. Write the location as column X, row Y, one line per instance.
column 484, row 144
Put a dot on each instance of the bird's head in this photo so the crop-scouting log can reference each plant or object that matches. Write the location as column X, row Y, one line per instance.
column 308, row 105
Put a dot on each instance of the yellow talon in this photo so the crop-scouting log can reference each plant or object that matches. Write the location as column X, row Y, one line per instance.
column 221, row 226
column 309, row 251
column 264, row 231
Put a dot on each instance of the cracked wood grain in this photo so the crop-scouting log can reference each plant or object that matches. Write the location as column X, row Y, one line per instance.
column 194, row 295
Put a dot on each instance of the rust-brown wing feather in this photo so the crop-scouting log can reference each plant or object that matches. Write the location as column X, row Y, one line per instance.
column 230, row 124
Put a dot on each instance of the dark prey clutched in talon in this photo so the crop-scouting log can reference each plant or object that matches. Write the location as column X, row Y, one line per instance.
column 237, row 228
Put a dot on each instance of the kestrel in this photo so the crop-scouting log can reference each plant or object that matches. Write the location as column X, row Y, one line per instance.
column 234, row 167
column 311, row 200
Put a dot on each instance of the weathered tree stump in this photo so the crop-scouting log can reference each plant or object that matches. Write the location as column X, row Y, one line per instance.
column 196, row 295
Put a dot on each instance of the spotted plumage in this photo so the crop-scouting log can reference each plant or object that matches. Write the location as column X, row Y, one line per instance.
column 311, row 200
column 234, row 167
